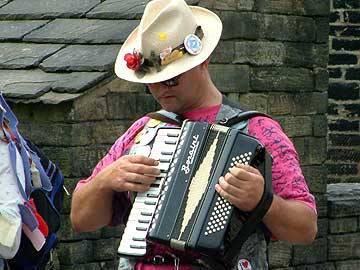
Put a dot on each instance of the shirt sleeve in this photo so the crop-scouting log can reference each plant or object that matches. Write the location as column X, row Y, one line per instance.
column 121, row 200
column 287, row 178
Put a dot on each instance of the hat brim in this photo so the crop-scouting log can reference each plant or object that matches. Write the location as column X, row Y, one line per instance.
column 212, row 28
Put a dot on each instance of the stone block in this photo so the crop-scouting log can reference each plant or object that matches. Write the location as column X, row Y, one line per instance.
column 219, row 4
column 316, row 177
column 75, row 252
column 321, row 205
column 298, row 126
column 312, row 151
column 59, row 134
column 129, row 106
column 323, row 227
column 280, row 103
column 230, row 78
column 318, row 266
column 343, row 225
column 80, row 31
column 315, row 253
column 279, row 254
column 347, row 265
column 43, row 9
column 82, row 58
column 76, row 161
column 310, row 103
column 289, row 28
column 307, row 7
column 85, row 266
column 66, row 233
column 223, row 53
column 322, row 29
column 259, row 53
column 306, row 54
column 343, row 247
column 344, row 208
column 281, row 79
column 112, row 232
column 90, row 109
column 248, row 25
column 107, row 132
column 112, row 9
column 16, row 30
column 44, row 113
column 84, row 159
column 320, row 126
column 321, row 79
column 105, row 249
column 254, row 101
column 245, row 4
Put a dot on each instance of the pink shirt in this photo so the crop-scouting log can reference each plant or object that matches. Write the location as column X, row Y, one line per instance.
column 287, row 178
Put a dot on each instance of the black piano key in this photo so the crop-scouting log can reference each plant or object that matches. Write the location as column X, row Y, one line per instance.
column 147, row 214
column 137, row 246
column 141, row 229
column 167, row 153
column 149, row 202
column 152, row 195
column 142, row 239
column 165, row 160
column 170, row 142
column 169, row 134
column 144, row 221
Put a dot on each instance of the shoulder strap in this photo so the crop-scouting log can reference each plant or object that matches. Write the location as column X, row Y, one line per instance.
column 245, row 115
column 167, row 117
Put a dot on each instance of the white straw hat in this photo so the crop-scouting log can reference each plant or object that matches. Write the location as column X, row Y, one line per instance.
column 171, row 38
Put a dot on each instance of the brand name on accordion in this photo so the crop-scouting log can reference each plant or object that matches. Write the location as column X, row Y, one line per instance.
column 190, row 159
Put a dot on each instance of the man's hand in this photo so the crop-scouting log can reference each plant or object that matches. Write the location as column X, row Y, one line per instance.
column 242, row 186
column 129, row 173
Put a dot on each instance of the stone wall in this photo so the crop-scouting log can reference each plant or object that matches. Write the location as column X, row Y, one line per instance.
column 272, row 57
column 344, row 92
column 344, row 226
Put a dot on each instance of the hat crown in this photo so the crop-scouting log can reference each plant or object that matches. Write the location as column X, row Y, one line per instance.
column 165, row 23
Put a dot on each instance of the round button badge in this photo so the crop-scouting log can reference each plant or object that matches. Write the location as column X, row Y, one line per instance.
column 193, row 44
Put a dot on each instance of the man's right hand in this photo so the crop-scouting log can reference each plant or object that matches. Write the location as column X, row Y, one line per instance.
column 129, row 173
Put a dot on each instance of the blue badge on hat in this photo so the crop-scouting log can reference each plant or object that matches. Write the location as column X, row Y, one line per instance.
column 193, row 44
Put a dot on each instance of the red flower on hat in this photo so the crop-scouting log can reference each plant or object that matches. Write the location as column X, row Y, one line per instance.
column 133, row 60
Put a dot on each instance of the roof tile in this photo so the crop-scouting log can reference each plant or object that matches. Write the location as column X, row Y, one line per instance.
column 16, row 30
column 32, row 83
column 115, row 9
column 82, row 58
column 45, row 9
column 80, row 31
column 24, row 55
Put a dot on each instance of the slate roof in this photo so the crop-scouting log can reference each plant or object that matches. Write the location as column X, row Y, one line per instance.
column 54, row 50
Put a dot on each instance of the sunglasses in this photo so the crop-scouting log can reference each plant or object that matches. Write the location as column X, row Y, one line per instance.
column 171, row 82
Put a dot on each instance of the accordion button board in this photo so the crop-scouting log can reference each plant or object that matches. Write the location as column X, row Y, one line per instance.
column 160, row 145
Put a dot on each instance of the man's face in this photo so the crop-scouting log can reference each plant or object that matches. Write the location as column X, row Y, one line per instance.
column 181, row 97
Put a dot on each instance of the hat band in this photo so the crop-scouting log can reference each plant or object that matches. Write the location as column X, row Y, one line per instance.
column 136, row 61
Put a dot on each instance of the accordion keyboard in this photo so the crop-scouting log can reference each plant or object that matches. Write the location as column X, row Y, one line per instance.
column 133, row 242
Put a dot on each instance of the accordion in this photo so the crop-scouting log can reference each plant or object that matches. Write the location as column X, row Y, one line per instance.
column 188, row 213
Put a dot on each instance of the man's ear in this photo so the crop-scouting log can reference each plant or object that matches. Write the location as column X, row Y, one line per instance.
column 206, row 63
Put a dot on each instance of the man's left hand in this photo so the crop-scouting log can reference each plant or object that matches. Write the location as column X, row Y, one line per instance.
column 242, row 186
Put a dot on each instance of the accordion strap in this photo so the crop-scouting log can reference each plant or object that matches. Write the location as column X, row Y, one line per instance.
column 167, row 117
column 255, row 216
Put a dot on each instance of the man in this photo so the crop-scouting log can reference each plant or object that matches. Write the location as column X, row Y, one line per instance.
column 169, row 51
